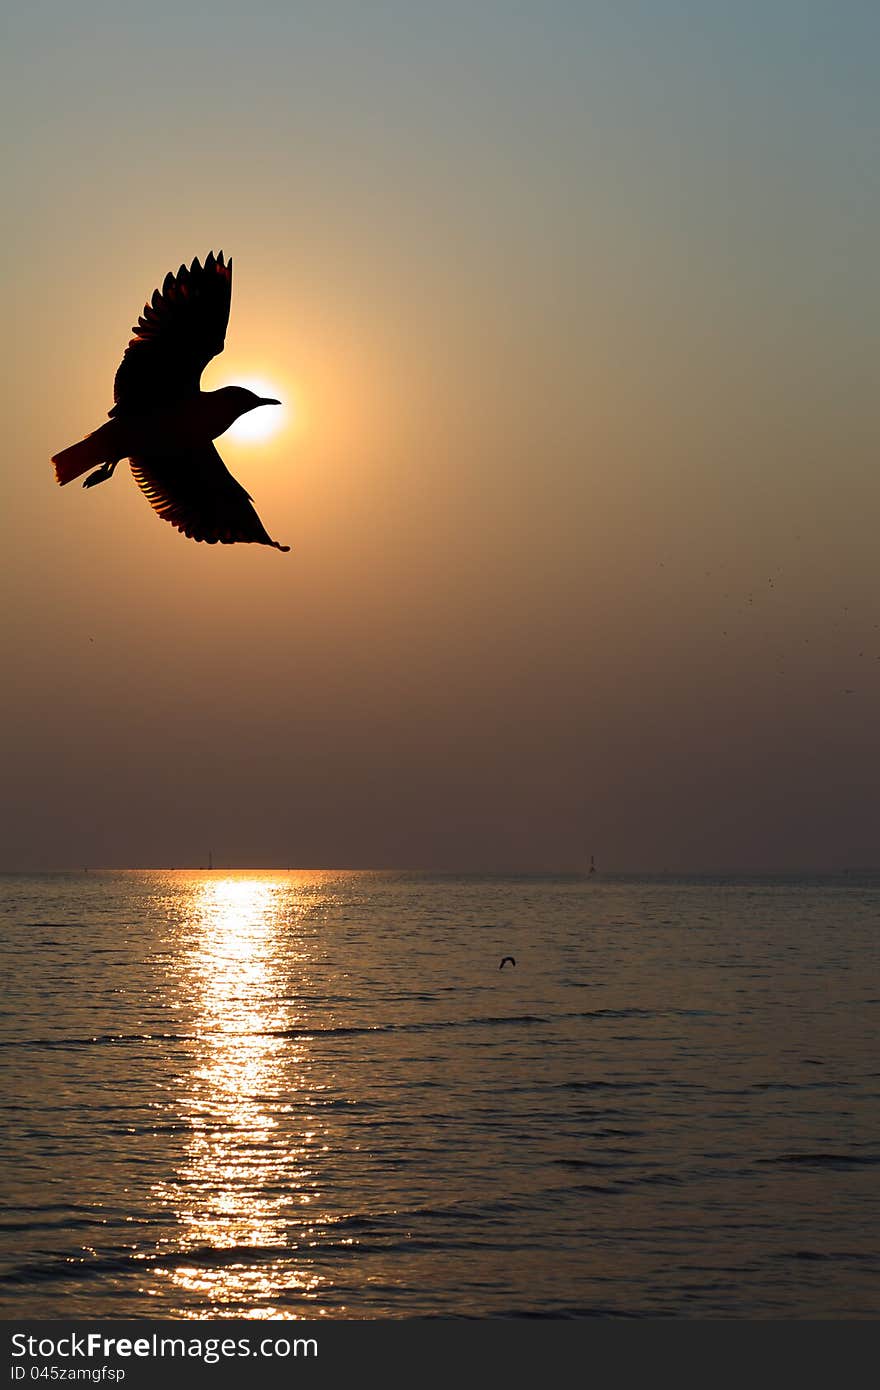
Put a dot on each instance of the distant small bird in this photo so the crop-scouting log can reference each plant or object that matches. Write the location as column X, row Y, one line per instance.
column 504, row 961
column 164, row 424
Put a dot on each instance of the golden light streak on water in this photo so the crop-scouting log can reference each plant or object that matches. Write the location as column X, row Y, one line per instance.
column 243, row 1178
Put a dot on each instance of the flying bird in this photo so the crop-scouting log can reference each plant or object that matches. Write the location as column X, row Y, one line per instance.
column 504, row 961
column 165, row 425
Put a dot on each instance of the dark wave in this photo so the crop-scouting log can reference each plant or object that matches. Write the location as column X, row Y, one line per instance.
column 62, row 1223
column 56, row 926
column 79, row 1269
column 831, row 1256
column 581, row 1085
column 828, row 1160
column 344, row 1030
column 101, row 1040
column 568, row 1313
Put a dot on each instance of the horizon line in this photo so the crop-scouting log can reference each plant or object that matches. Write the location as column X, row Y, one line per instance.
column 496, row 871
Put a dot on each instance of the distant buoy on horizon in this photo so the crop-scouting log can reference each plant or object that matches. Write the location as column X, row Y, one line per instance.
column 504, row 961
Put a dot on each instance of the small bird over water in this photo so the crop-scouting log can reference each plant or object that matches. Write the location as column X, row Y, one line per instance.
column 504, row 960
column 165, row 425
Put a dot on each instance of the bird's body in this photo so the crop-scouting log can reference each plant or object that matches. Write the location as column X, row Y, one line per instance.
column 191, row 423
column 165, row 425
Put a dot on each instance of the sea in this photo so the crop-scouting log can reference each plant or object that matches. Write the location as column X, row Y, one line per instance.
column 322, row 1095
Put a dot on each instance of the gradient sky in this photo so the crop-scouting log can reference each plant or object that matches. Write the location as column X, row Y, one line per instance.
column 576, row 308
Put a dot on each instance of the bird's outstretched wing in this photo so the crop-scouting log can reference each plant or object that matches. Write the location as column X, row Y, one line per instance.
column 176, row 336
column 195, row 491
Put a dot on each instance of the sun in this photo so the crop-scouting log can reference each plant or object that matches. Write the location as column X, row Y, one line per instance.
column 266, row 420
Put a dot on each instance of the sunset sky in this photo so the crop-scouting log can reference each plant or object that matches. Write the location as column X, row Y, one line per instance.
column 574, row 310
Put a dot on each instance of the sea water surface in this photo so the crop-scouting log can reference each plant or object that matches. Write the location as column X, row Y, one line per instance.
column 284, row 1094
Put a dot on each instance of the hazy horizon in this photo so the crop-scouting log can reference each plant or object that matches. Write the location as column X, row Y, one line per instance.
column 574, row 314
column 615, row 873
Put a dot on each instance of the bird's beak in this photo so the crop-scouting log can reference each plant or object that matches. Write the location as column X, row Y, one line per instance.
column 267, row 400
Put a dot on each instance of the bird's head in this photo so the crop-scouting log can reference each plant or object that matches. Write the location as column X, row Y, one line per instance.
column 238, row 400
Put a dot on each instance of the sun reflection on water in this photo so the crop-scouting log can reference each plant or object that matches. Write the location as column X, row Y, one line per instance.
column 243, row 1193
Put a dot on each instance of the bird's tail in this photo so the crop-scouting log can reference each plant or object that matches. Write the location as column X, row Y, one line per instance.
column 79, row 458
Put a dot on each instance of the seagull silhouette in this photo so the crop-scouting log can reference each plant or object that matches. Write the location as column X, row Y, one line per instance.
column 165, row 425
column 504, row 961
